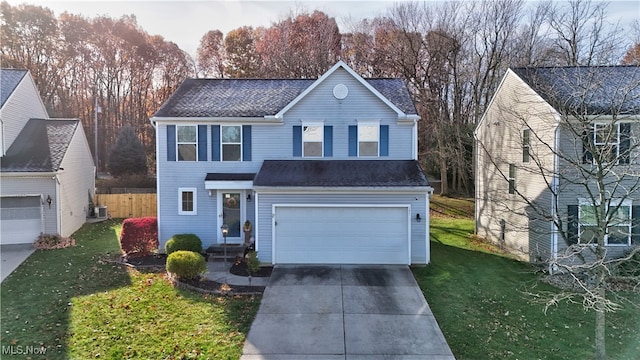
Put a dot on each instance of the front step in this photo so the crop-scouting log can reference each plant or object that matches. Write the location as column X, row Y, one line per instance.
column 233, row 250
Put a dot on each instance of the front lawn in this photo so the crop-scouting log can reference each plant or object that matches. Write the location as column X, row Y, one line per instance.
column 78, row 304
column 481, row 304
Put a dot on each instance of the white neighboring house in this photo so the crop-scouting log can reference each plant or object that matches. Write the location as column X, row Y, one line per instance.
column 535, row 188
column 46, row 169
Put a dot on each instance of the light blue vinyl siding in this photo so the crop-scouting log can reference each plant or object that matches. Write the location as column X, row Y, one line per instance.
column 276, row 142
column 418, row 203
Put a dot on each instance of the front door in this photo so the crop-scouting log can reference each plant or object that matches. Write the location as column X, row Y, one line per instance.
column 232, row 213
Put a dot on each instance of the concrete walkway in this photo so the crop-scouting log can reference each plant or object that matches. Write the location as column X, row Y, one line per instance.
column 11, row 256
column 219, row 271
column 344, row 312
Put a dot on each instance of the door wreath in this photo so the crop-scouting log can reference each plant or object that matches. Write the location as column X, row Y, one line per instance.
column 232, row 202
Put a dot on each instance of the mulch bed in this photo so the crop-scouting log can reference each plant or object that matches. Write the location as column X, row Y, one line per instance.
column 157, row 263
column 239, row 268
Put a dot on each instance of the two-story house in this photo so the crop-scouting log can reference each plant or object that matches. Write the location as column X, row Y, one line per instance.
column 325, row 170
column 557, row 161
column 46, row 169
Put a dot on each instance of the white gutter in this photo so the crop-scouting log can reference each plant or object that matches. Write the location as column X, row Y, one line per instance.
column 344, row 189
column 29, row 175
column 261, row 120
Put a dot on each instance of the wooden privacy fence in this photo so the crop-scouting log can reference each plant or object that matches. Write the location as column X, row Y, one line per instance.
column 128, row 205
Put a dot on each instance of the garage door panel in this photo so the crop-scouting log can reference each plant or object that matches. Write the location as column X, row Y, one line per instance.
column 350, row 235
column 21, row 220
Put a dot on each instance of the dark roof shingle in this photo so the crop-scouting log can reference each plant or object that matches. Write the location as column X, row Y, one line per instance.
column 9, row 80
column 587, row 90
column 340, row 173
column 258, row 97
column 40, row 146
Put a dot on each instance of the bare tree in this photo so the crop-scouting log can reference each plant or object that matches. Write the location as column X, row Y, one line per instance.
column 582, row 35
column 563, row 163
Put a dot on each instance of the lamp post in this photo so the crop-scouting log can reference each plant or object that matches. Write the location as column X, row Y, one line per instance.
column 225, row 232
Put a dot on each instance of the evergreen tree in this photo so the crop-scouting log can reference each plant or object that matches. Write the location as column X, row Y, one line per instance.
column 127, row 155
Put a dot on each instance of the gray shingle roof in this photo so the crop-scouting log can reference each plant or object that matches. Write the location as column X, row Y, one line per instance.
column 584, row 90
column 9, row 80
column 40, row 146
column 229, row 177
column 257, row 97
column 340, row 173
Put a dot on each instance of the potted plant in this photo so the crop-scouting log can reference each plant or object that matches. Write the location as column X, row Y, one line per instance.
column 247, row 228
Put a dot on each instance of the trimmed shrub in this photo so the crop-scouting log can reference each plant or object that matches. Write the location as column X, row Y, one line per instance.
column 186, row 264
column 188, row 242
column 139, row 236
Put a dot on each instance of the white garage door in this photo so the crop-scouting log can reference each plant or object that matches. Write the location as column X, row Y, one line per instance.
column 341, row 235
column 21, row 219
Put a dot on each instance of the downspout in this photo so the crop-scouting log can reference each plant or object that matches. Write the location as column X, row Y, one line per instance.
column 58, row 209
column 158, row 217
column 554, row 202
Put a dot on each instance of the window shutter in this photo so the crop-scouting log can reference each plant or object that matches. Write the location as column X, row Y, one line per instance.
column 328, row 141
column 171, row 143
column 215, row 142
column 202, row 142
column 384, row 140
column 587, row 144
column 635, row 225
column 297, row 141
column 572, row 224
column 353, row 140
column 625, row 143
column 246, row 142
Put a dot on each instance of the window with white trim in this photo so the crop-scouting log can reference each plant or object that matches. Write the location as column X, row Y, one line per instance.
column 526, row 145
column 187, row 136
column 187, row 201
column 606, row 139
column 619, row 222
column 368, row 139
column 512, row 179
column 231, row 143
column 312, row 139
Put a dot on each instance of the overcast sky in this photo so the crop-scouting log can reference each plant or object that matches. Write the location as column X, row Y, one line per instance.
column 184, row 22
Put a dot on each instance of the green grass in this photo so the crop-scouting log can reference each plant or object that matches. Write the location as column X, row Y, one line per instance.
column 442, row 206
column 481, row 303
column 78, row 304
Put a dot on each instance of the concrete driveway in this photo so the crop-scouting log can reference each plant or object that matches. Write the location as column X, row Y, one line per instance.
column 11, row 256
column 344, row 312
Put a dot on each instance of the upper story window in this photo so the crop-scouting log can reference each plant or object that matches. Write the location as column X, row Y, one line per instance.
column 312, row 140
column 618, row 223
column 231, row 143
column 512, row 179
column 526, row 145
column 606, row 139
column 368, row 139
column 187, row 136
column 611, row 142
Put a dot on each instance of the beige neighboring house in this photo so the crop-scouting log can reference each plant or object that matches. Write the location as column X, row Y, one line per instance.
column 46, row 169
column 533, row 171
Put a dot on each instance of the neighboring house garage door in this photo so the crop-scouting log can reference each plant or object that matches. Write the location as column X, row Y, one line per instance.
column 341, row 235
column 21, row 219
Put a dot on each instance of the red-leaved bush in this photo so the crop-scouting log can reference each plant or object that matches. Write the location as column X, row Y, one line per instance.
column 139, row 236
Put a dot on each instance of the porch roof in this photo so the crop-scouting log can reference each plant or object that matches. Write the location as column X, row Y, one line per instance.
column 340, row 173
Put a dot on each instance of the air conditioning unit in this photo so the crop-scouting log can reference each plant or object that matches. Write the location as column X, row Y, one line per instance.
column 101, row 212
